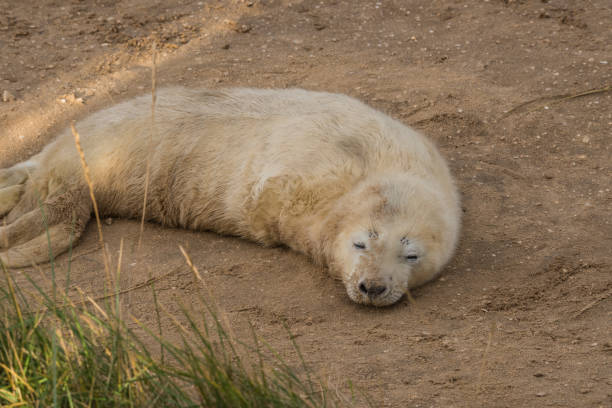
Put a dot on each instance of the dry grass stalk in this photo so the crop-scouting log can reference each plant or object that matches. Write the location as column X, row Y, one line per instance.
column 151, row 138
column 410, row 298
column 137, row 286
column 97, row 307
column 217, row 309
column 118, row 279
column 6, row 243
column 483, row 365
column 591, row 304
column 77, row 142
column 555, row 99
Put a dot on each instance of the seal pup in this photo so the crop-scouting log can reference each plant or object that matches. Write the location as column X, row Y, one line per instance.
column 321, row 173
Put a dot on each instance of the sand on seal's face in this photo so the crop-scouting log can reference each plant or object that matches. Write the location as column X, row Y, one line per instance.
column 321, row 173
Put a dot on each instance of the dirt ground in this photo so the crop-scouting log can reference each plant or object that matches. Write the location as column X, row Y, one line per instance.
column 522, row 315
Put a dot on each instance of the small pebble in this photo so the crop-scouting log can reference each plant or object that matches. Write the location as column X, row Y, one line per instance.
column 541, row 394
column 7, row 96
column 71, row 99
column 243, row 28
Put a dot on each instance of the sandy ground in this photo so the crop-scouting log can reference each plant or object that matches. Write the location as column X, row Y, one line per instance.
column 522, row 315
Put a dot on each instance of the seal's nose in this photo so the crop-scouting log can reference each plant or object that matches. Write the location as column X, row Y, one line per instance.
column 372, row 288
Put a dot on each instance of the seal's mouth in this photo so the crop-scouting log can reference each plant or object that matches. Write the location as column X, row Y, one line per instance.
column 386, row 298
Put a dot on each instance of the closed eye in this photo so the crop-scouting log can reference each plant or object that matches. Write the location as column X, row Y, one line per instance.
column 411, row 258
column 359, row 245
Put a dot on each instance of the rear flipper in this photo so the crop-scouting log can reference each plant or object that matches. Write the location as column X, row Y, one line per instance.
column 13, row 176
column 11, row 187
column 9, row 197
column 39, row 249
column 50, row 229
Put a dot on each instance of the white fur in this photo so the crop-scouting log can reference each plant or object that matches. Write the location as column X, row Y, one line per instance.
column 314, row 171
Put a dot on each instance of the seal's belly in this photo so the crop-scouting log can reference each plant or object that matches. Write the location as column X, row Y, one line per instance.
column 197, row 177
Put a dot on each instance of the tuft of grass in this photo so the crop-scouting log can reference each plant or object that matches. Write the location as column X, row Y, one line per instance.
column 72, row 356
column 83, row 354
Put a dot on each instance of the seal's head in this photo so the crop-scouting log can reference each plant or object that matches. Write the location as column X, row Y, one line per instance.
column 398, row 234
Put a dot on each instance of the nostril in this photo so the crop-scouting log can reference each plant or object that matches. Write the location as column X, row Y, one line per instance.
column 371, row 289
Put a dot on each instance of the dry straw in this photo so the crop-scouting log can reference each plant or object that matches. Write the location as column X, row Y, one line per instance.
column 553, row 100
column 77, row 142
column 151, row 138
column 485, row 355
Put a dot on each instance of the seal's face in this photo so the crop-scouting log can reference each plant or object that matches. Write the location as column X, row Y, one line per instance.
column 401, row 242
column 381, row 264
